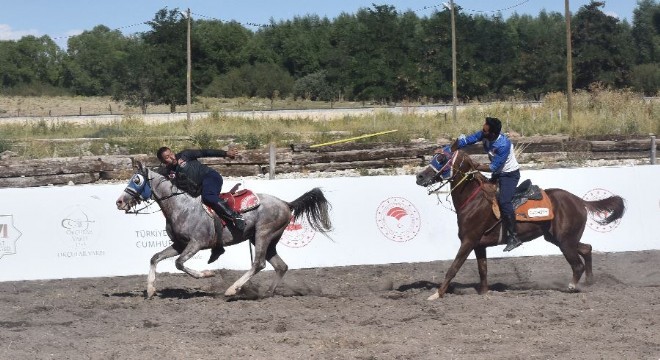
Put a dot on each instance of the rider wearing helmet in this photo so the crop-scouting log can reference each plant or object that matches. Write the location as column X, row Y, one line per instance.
column 505, row 169
column 195, row 178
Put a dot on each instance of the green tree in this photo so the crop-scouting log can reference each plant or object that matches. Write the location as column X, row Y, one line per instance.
column 602, row 50
column 645, row 34
column 93, row 61
column 135, row 76
column 314, row 87
column 9, row 67
column 222, row 47
column 167, row 45
column 435, row 62
column 31, row 64
column 540, row 56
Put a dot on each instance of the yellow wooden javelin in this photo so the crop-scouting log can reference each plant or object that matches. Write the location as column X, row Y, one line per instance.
column 353, row 138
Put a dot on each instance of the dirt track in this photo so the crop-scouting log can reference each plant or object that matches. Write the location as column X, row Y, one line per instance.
column 357, row 312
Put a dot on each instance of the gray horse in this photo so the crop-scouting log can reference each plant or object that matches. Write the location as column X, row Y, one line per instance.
column 191, row 229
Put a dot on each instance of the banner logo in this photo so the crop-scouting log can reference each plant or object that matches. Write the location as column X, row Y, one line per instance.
column 297, row 234
column 398, row 219
column 9, row 235
column 79, row 231
column 593, row 217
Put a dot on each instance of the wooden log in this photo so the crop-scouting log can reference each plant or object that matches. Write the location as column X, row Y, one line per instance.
column 301, row 158
column 622, row 146
column 371, row 164
column 60, row 179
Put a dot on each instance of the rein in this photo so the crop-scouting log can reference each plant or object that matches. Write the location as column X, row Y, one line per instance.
column 465, row 176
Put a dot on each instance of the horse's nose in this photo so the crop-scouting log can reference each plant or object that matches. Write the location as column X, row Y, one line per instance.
column 119, row 203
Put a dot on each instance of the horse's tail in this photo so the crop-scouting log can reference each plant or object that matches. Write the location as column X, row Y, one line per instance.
column 315, row 206
column 614, row 205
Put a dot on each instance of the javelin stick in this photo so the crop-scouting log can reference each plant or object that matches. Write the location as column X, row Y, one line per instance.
column 353, row 138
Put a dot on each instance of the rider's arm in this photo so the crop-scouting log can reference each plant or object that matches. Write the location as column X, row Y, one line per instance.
column 191, row 154
column 500, row 149
column 464, row 141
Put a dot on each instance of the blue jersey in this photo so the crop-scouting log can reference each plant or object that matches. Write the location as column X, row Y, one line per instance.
column 500, row 152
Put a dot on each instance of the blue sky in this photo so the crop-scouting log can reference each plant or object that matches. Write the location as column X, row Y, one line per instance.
column 60, row 19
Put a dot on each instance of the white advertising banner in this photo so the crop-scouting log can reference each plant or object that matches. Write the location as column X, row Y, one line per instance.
column 76, row 231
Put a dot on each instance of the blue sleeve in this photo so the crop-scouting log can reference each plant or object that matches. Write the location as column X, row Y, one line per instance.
column 464, row 141
column 500, row 150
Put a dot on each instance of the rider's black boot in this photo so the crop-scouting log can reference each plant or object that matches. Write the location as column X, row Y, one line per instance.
column 512, row 241
column 224, row 211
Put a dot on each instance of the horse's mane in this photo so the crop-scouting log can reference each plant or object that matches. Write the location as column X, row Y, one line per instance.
column 463, row 158
column 155, row 175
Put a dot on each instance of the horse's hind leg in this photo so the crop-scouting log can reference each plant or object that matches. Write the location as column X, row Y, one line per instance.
column 570, row 252
column 262, row 243
column 158, row 257
column 482, row 265
column 585, row 251
column 257, row 265
column 280, row 268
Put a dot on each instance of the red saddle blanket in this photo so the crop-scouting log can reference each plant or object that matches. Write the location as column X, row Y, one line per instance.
column 241, row 200
column 535, row 210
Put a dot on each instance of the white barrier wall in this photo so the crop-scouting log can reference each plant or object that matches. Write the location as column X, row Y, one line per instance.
column 76, row 231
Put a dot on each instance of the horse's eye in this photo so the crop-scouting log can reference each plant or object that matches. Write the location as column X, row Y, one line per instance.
column 136, row 180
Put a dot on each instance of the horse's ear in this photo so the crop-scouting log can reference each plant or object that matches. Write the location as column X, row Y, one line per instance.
column 139, row 165
column 454, row 145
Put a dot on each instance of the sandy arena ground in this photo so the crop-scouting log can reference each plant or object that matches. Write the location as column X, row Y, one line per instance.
column 356, row 312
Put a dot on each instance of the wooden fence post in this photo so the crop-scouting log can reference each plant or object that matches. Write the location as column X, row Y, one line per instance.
column 271, row 161
column 653, row 149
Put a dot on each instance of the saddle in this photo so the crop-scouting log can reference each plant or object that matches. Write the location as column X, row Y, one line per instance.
column 531, row 203
column 241, row 201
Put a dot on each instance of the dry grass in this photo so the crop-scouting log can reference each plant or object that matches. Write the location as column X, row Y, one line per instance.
column 598, row 112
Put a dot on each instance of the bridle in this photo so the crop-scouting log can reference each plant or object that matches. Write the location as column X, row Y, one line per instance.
column 140, row 189
column 439, row 180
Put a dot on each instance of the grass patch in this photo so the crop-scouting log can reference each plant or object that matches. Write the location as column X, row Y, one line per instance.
column 598, row 112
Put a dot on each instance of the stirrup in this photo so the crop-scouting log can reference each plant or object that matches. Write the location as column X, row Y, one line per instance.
column 512, row 244
column 239, row 223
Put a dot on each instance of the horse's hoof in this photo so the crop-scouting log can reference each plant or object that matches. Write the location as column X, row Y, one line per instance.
column 435, row 296
column 151, row 291
column 207, row 274
column 230, row 292
column 572, row 288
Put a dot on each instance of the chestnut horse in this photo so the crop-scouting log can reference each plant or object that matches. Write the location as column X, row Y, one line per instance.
column 479, row 228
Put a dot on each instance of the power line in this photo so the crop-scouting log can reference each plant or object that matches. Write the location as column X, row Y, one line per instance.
column 472, row 10
column 258, row 25
column 497, row 10
column 238, row 22
column 119, row 28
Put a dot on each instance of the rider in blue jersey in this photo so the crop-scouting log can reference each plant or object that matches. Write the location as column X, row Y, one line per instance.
column 505, row 169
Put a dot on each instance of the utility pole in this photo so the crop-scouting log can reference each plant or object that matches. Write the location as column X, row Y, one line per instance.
column 569, row 63
column 453, row 58
column 189, row 71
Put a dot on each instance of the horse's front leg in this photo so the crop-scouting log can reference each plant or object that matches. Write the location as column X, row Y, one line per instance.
column 193, row 248
column 480, row 253
column 463, row 252
column 158, row 257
